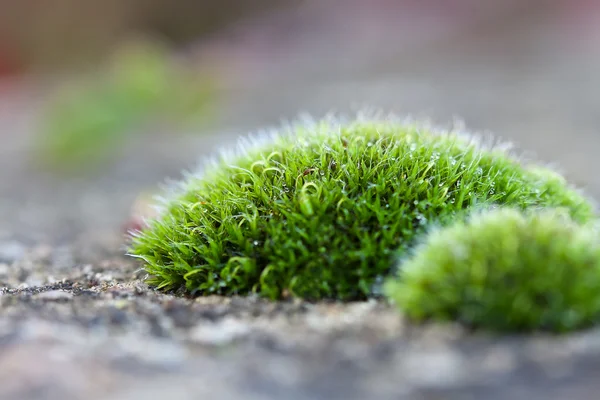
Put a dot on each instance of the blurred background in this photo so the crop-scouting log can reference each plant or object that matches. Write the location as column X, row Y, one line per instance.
column 101, row 101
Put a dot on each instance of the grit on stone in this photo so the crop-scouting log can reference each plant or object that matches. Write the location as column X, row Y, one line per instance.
column 77, row 320
column 99, row 332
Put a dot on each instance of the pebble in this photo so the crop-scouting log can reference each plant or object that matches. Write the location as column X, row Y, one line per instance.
column 11, row 251
column 219, row 333
column 434, row 368
column 62, row 259
column 54, row 295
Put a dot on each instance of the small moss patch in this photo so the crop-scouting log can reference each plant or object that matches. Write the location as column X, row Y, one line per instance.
column 504, row 270
column 322, row 210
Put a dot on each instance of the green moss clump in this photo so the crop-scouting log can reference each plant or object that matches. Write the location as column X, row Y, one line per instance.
column 321, row 210
column 504, row 270
column 87, row 121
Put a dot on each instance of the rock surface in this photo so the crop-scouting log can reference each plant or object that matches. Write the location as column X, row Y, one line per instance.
column 100, row 333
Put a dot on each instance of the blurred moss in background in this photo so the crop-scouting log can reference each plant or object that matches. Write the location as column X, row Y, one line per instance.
column 88, row 118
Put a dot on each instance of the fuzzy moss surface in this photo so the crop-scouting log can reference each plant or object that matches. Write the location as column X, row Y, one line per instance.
column 321, row 210
column 504, row 270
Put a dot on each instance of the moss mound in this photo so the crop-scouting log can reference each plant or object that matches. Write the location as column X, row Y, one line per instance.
column 320, row 211
column 504, row 270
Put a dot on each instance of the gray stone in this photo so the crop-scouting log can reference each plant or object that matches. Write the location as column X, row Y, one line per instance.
column 11, row 251
column 54, row 295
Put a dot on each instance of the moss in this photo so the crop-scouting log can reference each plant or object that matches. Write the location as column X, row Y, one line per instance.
column 87, row 120
column 320, row 210
column 504, row 270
